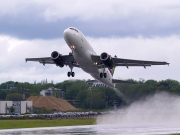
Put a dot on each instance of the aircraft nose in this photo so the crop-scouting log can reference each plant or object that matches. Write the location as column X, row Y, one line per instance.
column 68, row 36
column 66, row 33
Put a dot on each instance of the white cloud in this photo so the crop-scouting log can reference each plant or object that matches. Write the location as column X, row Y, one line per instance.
column 157, row 49
column 14, row 51
column 12, row 58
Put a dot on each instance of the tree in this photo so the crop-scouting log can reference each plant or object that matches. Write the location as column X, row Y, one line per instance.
column 98, row 97
column 2, row 95
column 151, row 82
column 12, row 109
column 95, row 100
column 14, row 97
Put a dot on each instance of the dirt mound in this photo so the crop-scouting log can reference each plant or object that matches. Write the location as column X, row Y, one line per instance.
column 50, row 102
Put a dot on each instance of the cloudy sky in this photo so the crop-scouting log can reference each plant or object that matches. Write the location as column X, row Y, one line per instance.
column 133, row 29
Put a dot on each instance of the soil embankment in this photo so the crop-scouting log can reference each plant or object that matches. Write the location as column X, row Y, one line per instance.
column 50, row 102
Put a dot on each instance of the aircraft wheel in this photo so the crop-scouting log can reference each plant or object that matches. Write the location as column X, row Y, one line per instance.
column 72, row 74
column 101, row 75
column 105, row 75
column 69, row 74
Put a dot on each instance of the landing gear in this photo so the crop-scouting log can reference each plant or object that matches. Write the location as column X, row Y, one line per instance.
column 71, row 73
column 70, row 54
column 103, row 75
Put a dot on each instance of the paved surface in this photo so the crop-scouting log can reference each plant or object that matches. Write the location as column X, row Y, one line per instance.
column 94, row 130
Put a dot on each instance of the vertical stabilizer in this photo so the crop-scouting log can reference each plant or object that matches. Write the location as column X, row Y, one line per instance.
column 112, row 70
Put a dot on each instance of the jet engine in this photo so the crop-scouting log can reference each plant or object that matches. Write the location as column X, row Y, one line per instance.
column 107, row 60
column 57, row 58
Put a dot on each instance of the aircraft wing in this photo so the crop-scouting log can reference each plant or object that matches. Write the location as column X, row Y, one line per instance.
column 67, row 59
column 129, row 62
column 44, row 60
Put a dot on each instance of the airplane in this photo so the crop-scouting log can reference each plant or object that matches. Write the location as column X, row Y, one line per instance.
column 100, row 67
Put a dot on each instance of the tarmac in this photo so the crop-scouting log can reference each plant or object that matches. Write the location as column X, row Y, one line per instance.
column 93, row 130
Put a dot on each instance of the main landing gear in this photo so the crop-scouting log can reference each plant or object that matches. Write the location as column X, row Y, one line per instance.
column 103, row 75
column 71, row 73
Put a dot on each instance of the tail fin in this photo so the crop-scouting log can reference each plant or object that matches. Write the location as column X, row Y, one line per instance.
column 112, row 70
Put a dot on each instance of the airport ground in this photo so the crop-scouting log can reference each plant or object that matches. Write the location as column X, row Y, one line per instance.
column 33, row 123
column 48, row 120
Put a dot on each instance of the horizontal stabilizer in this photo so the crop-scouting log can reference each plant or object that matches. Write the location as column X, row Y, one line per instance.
column 122, row 81
column 92, row 81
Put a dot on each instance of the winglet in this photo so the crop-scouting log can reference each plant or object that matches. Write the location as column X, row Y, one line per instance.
column 144, row 65
column 126, row 64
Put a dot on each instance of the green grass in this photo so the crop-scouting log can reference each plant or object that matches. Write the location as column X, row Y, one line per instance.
column 11, row 124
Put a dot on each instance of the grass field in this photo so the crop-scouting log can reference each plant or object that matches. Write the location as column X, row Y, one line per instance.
column 10, row 124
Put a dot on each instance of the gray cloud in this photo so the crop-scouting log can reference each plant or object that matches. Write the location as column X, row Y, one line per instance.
column 119, row 28
column 46, row 19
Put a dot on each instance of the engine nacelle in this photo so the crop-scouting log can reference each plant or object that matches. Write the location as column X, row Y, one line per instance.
column 57, row 58
column 107, row 60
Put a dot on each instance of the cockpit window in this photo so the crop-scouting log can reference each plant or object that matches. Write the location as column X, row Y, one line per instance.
column 74, row 29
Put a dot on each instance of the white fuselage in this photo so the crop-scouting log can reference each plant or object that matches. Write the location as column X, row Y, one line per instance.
column 82, row 52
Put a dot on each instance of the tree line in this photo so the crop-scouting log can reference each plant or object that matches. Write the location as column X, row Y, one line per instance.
column 97, row 97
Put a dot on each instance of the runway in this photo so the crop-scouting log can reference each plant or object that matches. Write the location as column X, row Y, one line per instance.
column 93, row 130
